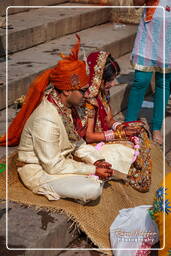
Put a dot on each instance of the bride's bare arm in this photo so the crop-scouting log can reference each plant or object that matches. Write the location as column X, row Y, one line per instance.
column 110, row 119
column 91, row 136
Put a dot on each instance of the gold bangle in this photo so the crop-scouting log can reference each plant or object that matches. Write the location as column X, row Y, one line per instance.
column 117, row 134
column 123, row 134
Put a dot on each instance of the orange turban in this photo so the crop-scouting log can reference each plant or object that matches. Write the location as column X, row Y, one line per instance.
column 68, row 74
column 151, row 10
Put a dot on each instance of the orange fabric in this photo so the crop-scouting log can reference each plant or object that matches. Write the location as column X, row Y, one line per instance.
column 151, row 10
column 31, row 101
column 68, row 74
column 89, row 106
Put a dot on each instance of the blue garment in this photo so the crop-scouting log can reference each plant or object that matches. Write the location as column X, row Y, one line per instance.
column 148, row 52
column 141, row 83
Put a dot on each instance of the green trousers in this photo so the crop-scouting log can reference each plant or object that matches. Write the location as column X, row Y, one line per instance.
column 138, row 90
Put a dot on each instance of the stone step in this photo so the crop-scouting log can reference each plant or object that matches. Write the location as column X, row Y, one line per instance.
column 5, row 3
column 119, row 93
column 25, row 65
column 29, row 227
column 42, row 25
column 11, row 114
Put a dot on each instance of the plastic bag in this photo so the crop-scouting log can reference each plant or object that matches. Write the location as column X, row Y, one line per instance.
column 133, row 228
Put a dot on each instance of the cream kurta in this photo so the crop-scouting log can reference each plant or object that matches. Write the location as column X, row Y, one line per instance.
column 46, row 149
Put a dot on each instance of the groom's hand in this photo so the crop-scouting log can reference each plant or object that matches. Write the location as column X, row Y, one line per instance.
column 103, row 173
column 103, row 164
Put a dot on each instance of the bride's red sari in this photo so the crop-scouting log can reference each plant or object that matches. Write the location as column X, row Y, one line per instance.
column 96, row 106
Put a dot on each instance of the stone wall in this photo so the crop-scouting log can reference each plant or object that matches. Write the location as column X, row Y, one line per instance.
column 125, row 15
column 105, row 2
column 119, row 15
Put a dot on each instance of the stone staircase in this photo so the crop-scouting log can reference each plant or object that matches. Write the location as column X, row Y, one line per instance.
column 37, row 37
column 40, row 34
column 12, row 3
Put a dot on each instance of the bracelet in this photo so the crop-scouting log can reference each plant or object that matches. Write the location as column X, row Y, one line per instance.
column 109, row 135
column 117, row 135
column 120, row 134
column 123, row 134
column 115, row 125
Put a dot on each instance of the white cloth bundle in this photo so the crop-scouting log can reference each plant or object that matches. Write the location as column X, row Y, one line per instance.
column 131, row 228
column 118, row 155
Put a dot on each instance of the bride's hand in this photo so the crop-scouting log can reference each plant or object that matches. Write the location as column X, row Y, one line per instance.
column 132, row 131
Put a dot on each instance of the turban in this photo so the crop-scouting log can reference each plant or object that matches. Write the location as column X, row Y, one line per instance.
column 68, row 74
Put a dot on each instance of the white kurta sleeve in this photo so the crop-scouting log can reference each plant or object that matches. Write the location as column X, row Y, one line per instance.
column 87, row 153
column 45, row 135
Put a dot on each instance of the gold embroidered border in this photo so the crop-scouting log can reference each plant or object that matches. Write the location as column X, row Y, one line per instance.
column 98, row 73
column 150, row 69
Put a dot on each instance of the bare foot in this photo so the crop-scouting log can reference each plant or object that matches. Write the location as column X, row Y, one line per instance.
column 157, row 137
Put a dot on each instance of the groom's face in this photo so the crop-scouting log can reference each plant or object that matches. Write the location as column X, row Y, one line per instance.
column 75, row 97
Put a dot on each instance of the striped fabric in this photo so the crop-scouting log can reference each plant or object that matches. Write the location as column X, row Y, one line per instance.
column 148, row 51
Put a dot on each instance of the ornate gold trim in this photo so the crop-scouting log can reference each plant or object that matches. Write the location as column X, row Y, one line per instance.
column 98, row 73
column 150, row 69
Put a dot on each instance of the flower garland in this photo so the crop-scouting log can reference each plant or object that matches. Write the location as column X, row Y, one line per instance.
column 136, row 142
